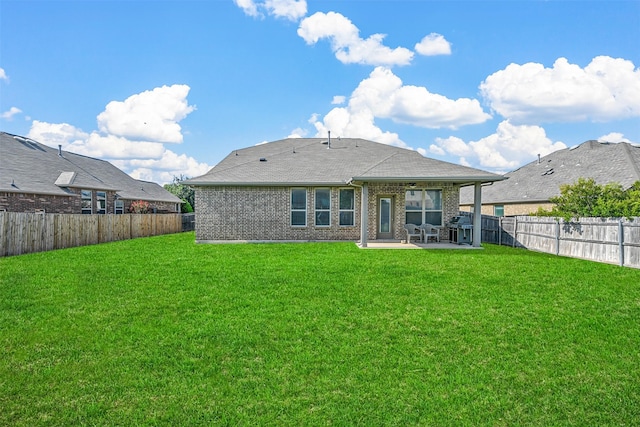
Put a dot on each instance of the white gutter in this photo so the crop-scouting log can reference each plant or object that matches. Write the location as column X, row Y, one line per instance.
column 263, row 184
column 466, row 180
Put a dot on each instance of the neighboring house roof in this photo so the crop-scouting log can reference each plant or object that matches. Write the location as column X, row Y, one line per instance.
column 316, row 161
column 26, row 166
column 540, row 180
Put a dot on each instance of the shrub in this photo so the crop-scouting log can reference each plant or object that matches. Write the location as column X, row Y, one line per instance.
column 186, row 206
column 140, row 207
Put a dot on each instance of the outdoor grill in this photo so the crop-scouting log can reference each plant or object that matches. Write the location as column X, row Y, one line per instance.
column 460, row 229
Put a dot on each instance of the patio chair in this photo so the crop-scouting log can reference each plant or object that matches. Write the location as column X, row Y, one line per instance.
column 413, row 231
column 429, row 231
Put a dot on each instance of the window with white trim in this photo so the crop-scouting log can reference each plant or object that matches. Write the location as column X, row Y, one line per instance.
column 323, row 207
column 423, row 207
column 101, row 202
column 119, row 206
column 298, row 207
column 498, row 210
column 347, row 206
column 86, row 201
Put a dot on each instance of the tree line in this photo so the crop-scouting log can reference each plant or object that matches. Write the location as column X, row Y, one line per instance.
column 184, row 192
column 586, row 198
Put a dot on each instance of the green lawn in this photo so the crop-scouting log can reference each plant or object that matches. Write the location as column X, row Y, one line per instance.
column 161, row 331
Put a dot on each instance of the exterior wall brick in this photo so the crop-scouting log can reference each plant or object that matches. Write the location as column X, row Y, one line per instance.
column 72, row 204
column 264, row 213
column 512, row 209
column 23, row 202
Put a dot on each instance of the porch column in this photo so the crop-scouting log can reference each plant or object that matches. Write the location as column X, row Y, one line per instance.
column 477, row 214
column 364, row 216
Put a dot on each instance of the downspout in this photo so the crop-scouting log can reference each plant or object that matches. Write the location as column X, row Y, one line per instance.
column 364, row 213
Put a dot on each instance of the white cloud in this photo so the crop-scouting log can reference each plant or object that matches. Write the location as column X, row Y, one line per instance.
column 164, row 168
column 117, row 147
column 508, row 148
column 298, row 133
column 613, row 137
column 452, row 145
column 357, row 124
column 3, row 75
column 292, row 10
column 8, row 115
column 437, row 150
column 142, row 159
column 248, row 6
column 606, row 89
column 148, row 116
column 92, row 144
column 338, row 100
column 382, row 95
column 385, row 95
column 346, row 43
column 433, row 44
column 54, row 134
column 149, row 161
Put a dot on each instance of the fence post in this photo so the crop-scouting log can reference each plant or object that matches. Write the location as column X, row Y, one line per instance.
column 500, row 231
column 621, row 241
column 515, row 231
column 557, row 237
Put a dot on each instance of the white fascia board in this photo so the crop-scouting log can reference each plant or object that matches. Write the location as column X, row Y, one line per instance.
column 462, row 179
column 265, row 184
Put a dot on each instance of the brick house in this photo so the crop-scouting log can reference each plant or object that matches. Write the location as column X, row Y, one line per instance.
column 38, row 178
column 308, row 189
column 531, row 186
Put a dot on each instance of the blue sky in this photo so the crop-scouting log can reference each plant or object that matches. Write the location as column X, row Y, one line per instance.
column 164, row 88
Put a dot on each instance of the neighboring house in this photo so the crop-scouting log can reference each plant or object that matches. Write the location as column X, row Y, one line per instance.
column 327, row 189
column 531, row 186
column 37, row 178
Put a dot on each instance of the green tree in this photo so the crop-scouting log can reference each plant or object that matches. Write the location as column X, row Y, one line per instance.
column 184, row 192
column 585, row 198
column 632, row 206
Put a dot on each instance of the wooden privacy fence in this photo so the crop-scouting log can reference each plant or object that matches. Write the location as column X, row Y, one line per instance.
column 22, row 233
column 608, row 240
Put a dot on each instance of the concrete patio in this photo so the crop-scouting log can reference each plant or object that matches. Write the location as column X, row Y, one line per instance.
column 398, row 244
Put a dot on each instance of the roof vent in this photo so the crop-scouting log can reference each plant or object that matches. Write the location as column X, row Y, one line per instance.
column 328, row 141
column 65, row 179
column 262, row 159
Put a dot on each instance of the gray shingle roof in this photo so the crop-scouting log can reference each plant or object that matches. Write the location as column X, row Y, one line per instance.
column 26, row 166
column 538, row 181
column 310, row 161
